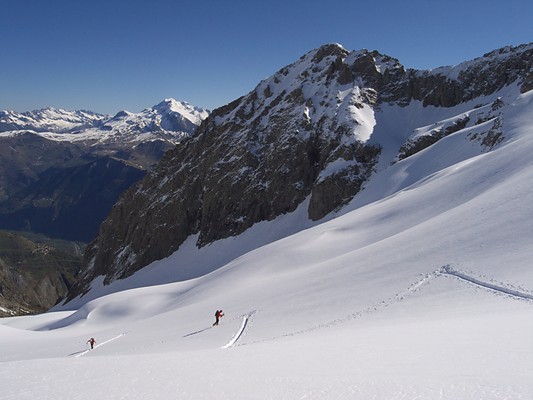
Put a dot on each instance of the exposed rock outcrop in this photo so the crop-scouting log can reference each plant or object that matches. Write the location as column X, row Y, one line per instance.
column 34, row 275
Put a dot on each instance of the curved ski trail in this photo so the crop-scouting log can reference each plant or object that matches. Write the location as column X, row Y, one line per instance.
column 240, row 332
column 446, row 271
column 98, row 345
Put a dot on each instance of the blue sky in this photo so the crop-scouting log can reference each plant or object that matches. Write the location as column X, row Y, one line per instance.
column 109, row 55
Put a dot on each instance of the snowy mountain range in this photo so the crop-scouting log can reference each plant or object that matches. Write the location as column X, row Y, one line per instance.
column 385, row 252
column 168, row 121
column 61, row 171
column 49, row 120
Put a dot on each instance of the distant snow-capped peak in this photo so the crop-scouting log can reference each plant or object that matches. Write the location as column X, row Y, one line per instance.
column 192, row 113
column 170, row 120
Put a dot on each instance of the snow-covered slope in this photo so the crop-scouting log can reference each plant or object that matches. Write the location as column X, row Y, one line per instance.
column 421, row 288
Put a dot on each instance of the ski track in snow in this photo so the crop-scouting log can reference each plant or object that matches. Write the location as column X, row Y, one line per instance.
column 445, row 271
column 449, row 271
column 239, row 333
column 98, row 345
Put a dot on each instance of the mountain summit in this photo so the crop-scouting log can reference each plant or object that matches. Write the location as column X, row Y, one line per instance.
column 313, row 135
column 187, row 111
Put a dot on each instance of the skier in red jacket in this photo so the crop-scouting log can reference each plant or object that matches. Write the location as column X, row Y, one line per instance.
column 91, row 341
column 219, row 314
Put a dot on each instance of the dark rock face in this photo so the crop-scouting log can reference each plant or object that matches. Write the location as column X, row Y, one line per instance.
column 34, row 275
column 300, row 135
column 220, row 197
column 479, row 77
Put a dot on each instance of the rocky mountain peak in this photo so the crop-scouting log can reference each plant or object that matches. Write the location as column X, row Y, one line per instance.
column 328, row 50
column 122, row 114
column 302, row 136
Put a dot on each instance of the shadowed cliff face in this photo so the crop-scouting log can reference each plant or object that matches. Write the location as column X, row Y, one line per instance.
column 34, row 274
column 301, row 134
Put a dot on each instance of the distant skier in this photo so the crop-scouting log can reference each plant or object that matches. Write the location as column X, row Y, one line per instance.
column 91, row 342
column 219, row 314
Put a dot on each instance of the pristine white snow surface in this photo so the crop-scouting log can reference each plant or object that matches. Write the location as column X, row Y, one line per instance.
column 422, row 288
